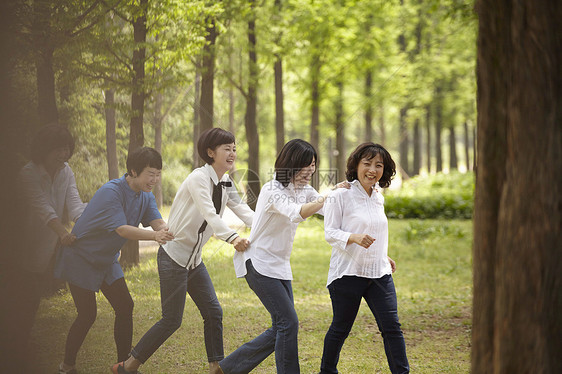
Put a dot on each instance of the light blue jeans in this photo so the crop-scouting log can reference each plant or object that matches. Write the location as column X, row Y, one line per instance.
column 277, row 297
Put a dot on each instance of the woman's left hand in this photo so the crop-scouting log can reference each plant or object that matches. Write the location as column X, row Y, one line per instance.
column 343, row 184
column 392, row 264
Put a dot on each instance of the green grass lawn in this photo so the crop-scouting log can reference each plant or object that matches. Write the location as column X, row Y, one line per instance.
column 433, row 283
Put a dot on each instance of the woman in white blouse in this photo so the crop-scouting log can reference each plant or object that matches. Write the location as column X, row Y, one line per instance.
column 357, row 229
column 195, row 215
column 283, row 203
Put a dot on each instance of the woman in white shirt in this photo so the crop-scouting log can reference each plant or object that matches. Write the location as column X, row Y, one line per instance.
column 195, row 215
column 357, row 229
column 283, row 203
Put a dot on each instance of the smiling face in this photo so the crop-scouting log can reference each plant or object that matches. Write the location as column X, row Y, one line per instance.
column 223, row 156
column 304, row 176
column 369, row 171
column 146, row 180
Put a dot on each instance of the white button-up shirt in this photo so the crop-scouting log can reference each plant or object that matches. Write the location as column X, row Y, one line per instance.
column 275, row 224
column 46, row 199
column 192, row 205
column 352, row 211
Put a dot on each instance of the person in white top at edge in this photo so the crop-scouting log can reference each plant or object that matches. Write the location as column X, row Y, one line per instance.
column 283, row 202
column 357, row 229
column 196, row 214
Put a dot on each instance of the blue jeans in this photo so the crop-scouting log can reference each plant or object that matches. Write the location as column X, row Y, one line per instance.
column 175, row 282
column 277, row 297
column 346, row 294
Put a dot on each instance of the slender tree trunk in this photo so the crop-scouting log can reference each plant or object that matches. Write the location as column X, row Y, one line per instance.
column 279, row 112
column 110, row 135
column 369, row 108
column 466, row 146
column 438, row 127
column 206, row 108
column 417, row 148
column 428, row 137
column 382, row 125
column 250, row 118
column 404, row 142
column 453, row 163
column 340, row 131
column 315, row 102
column 138, row 95
column 130, row 251
column 196, row 125
column 279, row 98
column 474, row 148
column 44, row 50
column 517, row 324
column 158, row 121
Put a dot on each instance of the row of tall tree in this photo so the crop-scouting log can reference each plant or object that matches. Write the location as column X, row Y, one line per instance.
column 126, row 73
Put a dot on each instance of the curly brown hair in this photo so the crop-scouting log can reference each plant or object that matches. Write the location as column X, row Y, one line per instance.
column 369, row 150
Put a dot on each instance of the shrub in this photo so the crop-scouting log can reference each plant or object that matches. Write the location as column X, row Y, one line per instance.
column 436, row 196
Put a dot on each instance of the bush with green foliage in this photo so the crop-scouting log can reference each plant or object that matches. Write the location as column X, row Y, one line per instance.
column 436, row 196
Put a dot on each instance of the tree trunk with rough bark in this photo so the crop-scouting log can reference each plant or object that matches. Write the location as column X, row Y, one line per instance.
column 517, row 324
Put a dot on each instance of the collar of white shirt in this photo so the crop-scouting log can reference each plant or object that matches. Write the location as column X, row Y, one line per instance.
column 212, row 173
column 358, row 185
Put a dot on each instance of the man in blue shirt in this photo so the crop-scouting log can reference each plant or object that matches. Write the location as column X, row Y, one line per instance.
column 91, row 263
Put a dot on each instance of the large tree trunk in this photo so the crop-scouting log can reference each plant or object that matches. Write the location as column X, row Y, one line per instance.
column 517, row 324
column 206, row 109
column 341, row 155
column 250, row 118
column 110, row 136
column 453, row 164
column 44, row 50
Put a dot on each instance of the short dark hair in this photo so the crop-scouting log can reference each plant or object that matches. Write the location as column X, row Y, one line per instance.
column 212, row 138
column 295, row 155
column 143, row 157
column 368, row 151
column 47, row 139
